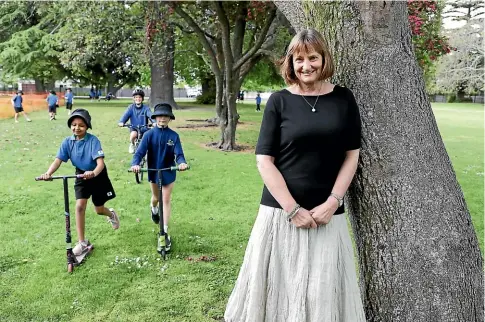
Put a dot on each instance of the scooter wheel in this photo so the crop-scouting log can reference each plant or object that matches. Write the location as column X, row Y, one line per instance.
column 70, row 268
column 164, row 254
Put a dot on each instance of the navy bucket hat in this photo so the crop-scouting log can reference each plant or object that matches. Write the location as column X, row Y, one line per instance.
column 82, row 113
column 162, row 109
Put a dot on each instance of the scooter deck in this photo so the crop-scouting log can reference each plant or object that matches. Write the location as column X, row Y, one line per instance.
column 80, row 258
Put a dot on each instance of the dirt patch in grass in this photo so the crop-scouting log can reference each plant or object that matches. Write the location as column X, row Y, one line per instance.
column 200, row 123
column 241, row 148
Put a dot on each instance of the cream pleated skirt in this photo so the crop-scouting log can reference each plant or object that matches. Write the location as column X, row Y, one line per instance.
column 296, row 275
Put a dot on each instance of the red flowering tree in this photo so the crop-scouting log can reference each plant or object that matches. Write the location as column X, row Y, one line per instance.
column 429, row 44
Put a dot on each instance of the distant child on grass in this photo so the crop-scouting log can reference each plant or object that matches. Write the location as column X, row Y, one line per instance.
column 138, row 114
column 69, row 97
column 258, row 102
column 18, row 106
column 52, row 103
column 164, row 150
column 87, row 157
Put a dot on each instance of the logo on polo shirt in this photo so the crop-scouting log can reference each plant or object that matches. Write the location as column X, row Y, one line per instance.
column 100, row 152
column 170, row 143
column 109, row 194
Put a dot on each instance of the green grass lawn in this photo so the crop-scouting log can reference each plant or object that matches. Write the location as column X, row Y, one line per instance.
column 214, row 206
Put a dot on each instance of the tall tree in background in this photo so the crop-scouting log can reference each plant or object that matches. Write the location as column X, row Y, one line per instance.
column 27, row 46
column 160, row 40
column 102, row 42
column 463, row 71
column 222, row 28
column 418, row 252
column 429, row 43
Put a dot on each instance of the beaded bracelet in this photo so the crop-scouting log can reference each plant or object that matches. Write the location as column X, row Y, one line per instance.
column 293, row 212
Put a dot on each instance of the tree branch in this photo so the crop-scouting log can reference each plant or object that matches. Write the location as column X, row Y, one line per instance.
column 259, row 43
column 202, row 37
column 226, row 33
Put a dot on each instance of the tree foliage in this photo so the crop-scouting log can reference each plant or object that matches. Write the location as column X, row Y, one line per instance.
column 463, row 70
column 103, row 42
column 429, row 44
column 28, row 48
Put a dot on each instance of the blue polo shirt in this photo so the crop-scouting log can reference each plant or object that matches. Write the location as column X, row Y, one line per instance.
column 137, row 115
column 69, row 97
column 17, row 100
column 164, row 149
column 83, row 153
column 51, row 100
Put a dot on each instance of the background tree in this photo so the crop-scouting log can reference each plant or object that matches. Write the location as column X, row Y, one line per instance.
column 462, row 71
column 418, row 253
column 28, row 48
column 222, row 29
column 102, row 43
column 429, row 44
column 160, row 42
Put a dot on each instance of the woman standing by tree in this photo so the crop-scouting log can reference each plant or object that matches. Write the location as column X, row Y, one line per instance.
column 299, row 262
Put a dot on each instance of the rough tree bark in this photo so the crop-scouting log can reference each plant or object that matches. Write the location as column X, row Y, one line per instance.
column 418, row 252
column 161, row 51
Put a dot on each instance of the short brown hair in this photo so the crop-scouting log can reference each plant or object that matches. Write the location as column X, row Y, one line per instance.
column 305, row 41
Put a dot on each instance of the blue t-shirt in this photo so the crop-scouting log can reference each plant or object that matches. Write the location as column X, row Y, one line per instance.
column 17, row 100
column 51, row 100
column 137, row 115
column 69, row 96
column 83, row 153
column 258, row 99
column 164, row 149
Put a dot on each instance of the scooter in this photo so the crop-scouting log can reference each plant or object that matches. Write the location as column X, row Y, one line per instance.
column 138, row 129
column 72, row 260
column 162, row 234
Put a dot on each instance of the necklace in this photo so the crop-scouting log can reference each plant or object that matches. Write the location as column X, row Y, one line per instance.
column 312, row 106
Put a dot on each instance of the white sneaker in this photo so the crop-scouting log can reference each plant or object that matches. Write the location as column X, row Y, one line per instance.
column 16, row 121
column 81, row 247
column 114, row 220
column 131, row 148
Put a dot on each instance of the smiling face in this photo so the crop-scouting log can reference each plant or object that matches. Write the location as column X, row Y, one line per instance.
column 137, row 99
column 79, row 127
column 308, row 66
column 163, row 120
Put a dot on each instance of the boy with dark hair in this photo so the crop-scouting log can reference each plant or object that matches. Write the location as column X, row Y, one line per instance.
column 17, row 106
column 85, row 152
column 52, row 103
column 258, row 102
column 69, row 97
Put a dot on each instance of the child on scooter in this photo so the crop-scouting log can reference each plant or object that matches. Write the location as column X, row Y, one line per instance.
column 138, row 114
column 164, row 150
column 87, row 156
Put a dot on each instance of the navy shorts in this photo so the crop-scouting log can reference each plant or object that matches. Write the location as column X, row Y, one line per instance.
column 99, row 188
column 18, row 109
column 52, row 109
column 69, row 106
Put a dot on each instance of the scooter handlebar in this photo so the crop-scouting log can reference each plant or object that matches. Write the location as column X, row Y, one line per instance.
column 77, row 176
column 173, row 168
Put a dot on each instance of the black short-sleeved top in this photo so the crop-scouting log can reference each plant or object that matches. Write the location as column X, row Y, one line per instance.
column 309, row 147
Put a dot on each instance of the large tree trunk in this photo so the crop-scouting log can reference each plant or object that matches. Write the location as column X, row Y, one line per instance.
column 41, row 85
column 418, row 252
column 162, row 50
column 228, row 121
column 113, row 85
